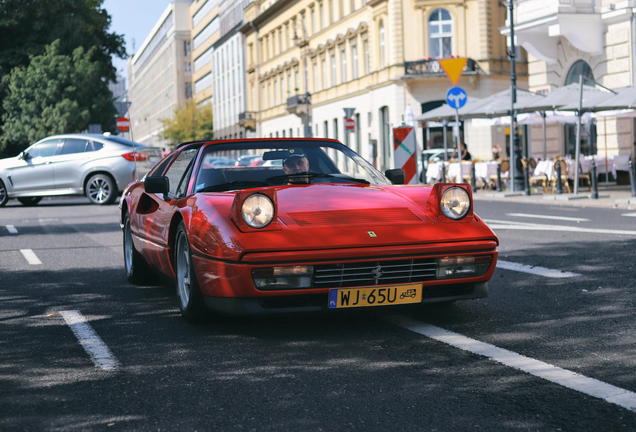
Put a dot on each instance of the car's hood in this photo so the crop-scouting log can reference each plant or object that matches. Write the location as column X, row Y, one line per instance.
column 338, row 216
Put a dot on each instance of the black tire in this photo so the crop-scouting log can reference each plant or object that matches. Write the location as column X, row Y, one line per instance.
column 101, row 189
column 4, row 195
column 138, row 271
column 30, row 201
column 190, row 298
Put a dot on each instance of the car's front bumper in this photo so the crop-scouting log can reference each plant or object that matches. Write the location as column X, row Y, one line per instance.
column 319, row 302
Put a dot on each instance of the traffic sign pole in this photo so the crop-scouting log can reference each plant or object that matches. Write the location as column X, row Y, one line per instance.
column 459, row 153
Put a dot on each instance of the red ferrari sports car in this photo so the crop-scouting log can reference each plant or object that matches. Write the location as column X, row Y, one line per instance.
column 315, row 227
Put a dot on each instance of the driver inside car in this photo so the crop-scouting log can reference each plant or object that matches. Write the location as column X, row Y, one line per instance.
column 296, row 163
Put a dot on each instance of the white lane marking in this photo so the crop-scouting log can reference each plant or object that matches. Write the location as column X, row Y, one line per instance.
column 541, row 271
column 563, row 218
column 629, row 214
column 11, row 229
column 30, row 256
column 521, row 226
column 93, row 345
column 589, row 386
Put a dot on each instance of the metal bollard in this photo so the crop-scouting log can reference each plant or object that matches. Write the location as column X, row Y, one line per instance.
column 473, row 179
column 594, row 183
column 559, row 185
column 499, row 177
column 632, row 179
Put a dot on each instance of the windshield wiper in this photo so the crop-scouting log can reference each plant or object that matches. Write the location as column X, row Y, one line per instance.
column 310, row 176
column 233, row 185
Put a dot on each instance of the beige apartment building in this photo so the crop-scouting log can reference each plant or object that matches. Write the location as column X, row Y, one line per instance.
column 204, row 20
column 378, row 57
column 158, row 77
column 567, row 39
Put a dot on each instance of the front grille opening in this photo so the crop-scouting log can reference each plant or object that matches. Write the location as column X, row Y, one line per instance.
column 374, row 273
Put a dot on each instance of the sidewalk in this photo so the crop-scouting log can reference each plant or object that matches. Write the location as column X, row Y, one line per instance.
column 610, row 196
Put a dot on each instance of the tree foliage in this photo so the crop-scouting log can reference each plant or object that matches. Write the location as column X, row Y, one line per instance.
column 27, row 30
column 55, row 94
column 190, row 122
column 27, row 27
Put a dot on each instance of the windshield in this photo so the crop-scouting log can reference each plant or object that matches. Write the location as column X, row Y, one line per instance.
column 249, row 164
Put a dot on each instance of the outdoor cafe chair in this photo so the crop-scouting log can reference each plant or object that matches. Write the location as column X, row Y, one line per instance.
column 536, row 178
column 585, row 176
column 504, row 167
column 564, row 175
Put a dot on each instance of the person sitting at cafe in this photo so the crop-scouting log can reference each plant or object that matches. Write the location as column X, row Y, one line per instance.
column 465, row 153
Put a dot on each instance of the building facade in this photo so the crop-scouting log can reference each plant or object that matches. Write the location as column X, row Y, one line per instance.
column 228, row 75
column 377, row 57
column 157, row 78
column 205, row 24
column 565, row 40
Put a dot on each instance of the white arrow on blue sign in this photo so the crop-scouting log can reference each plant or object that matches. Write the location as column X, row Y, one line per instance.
column 456, row 97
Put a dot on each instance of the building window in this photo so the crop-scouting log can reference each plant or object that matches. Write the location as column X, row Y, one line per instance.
column 324, row 74
column 341, row 4
column 354, row 61
column 303, row 21
column 322, row 16
column 297, row 86
column 353, row 6
column 287, row 45
column 330, row 12
column 440, row 34
column 315, row 77
column 288, row 83
column 313, row 21
column 577, row 69
column 382, row 45
column 280, row 40
column 275, row 92
column 367, row 58
column 282, row 89
column 186, row 48
column 343, row 65
column 326, row 129
column 333, row 70
column 188, row 90
column 335, row 128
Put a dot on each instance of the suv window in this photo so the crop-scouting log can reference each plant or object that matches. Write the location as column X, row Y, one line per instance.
column 44, row 149
column 176, row 172
column 75, row 145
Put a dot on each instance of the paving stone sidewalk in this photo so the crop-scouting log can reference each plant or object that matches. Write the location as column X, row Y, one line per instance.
column 610, row 196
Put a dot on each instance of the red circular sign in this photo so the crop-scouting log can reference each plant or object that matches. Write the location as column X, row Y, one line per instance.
column 350, row 124
column 123, row 124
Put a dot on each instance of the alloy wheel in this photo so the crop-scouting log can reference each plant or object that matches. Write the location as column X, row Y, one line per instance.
column 128, row 248
column 99, row 190
column 183, row 271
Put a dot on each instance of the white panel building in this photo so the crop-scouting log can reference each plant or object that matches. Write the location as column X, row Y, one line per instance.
column 158, row 82
column 228, row 73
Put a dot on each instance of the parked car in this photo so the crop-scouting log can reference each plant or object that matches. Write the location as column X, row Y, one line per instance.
column 334, row 234
column 97, row 166
column 432, row 155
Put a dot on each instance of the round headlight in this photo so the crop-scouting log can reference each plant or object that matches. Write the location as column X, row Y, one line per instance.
column 455, row 203
column 257, row 211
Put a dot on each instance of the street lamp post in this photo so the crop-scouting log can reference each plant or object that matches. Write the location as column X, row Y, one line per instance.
column 302, row 44
column 516, row 168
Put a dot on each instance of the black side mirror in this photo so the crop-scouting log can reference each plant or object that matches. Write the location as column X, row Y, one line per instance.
column 24, row 156
column 397, row 176
column 157, row 185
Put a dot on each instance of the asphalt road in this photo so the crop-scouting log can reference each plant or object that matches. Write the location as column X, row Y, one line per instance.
column 338, row 372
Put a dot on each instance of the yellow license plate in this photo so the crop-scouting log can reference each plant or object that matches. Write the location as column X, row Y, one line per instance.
column 375, row 296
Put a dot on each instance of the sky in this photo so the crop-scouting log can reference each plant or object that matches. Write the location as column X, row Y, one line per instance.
column 133, row 19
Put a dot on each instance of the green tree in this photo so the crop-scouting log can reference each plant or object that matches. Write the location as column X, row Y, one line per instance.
column 29, row 26
column 190, row 122
column 55, row 94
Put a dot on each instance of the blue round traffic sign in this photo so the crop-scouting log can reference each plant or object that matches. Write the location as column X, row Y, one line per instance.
column 456, row 97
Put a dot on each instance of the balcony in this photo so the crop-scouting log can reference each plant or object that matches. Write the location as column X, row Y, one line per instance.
column 432, row 69
column 299, row 104
column 247, row 120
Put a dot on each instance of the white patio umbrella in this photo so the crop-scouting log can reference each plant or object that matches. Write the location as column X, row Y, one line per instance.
column 624, row 99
